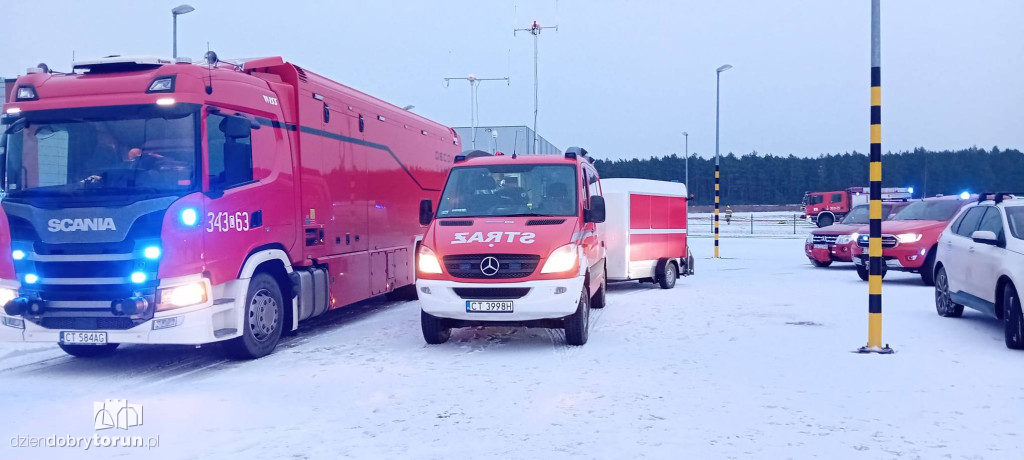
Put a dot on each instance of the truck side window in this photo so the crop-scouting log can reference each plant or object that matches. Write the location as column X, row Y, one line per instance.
column 969, row 222
column 230, row 150
column 837, row 197
column 817, row 199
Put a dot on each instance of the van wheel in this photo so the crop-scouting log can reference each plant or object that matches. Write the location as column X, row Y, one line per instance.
column 928, row 269
column 820, row 264
column 89, row 351
column 577, row 325
column 944, row 304
column 1013, row 319
column 263, row 322
column 667, row 278
column 598, row 301
column 435, row 330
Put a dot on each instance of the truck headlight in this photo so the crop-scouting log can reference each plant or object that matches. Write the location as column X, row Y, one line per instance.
column 846, row 239
column 909, row 237
column 561, row 260
column 182, row 296
column 427, row 261
column 7, row 295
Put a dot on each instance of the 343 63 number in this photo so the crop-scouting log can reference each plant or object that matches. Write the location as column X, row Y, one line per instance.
column 227, row 222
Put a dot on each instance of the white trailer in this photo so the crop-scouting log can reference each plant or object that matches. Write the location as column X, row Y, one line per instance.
column 645, row 231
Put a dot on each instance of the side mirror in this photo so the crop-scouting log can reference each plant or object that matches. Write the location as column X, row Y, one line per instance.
column 426, row 212
column 985, row 237
column 596, row 213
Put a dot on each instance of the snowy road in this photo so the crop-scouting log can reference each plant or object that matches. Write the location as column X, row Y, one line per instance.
column 750, row 358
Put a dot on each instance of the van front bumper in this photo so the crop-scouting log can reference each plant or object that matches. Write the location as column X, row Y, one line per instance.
column 545, row 299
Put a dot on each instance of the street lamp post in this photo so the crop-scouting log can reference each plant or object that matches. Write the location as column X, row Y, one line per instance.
column 718, row 77
column 686, row 160
column 178, row 10
column 474, row 111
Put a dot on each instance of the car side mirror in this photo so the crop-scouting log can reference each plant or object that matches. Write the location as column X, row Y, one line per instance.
column 596, row 213
column 426, row 212
column 985, row 237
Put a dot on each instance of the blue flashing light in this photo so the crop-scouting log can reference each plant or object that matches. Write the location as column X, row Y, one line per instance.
column 138, row 277
column 151, row 252
column 18, row 254
column 189, row 217
column 965, row 195
column 31, row 278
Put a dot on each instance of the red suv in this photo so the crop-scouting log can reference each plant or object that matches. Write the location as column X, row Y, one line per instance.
column 910, row 237
column 835, row 243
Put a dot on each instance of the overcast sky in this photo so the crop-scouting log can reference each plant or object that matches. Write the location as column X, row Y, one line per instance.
column 622, row 79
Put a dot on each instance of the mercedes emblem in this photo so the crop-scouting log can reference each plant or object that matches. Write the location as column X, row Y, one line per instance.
column 489, row 266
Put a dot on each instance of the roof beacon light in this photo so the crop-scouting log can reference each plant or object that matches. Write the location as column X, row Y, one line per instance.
column 965, row 195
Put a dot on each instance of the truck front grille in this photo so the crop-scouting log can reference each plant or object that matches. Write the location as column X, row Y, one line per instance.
column 888, row 241
column 509, row 265
column 88, row 323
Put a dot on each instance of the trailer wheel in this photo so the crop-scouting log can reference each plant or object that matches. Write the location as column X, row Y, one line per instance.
column 263, row 322
column 825, row 219
column 577, row 325
column 435, row 330
column 89, row 351
column 667, row 275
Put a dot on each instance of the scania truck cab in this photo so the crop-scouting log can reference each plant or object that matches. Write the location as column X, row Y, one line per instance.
column 514, row 241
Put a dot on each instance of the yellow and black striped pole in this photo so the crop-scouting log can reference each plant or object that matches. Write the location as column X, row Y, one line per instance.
column 875, row 207
column 718, row 174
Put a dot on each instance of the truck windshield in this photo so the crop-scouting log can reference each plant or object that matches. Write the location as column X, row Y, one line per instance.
column 510, row 190
column 861, row 214
column 97, row 155
column 929, row 210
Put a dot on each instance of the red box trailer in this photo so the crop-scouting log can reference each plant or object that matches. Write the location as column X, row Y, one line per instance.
column 154, row 201
column 646, row 231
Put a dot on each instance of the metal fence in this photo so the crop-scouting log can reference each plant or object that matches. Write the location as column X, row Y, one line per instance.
column 781, row 225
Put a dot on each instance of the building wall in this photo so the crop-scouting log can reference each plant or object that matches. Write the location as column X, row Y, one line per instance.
column 518, row 139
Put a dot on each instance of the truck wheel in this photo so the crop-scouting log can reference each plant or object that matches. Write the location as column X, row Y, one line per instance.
column 598, row 301
column 862, row 271
column 89, row 351
column 944, row 304
column 261, row 329
column 820, row 264
column 577, row 325
column 826, row 219
column 928, row 269
column 667, row 278
column 435, row 330
column 1013, row 320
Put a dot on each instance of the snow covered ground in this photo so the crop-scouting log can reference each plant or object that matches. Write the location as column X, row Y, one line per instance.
column 749, row 358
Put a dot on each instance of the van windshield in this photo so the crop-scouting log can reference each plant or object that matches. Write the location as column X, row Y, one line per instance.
column 510, row 190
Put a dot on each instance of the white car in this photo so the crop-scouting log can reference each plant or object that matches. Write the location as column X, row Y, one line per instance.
column 980, row 264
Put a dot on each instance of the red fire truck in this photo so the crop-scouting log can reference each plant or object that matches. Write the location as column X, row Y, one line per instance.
column 151, row 201
column 827, row 208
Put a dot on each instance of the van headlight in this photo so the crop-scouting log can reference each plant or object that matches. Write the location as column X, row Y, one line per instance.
column 561, row 260
column 909, row 237
column 182, row 296
column 427, row 261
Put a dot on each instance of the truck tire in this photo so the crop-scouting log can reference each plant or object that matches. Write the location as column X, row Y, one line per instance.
column 928, row 269
column 1013, row 319
column 435, row 330
column 577, row 325
column 89, row 351
column 944, row 305
column 862, row 272
column 263, row 321
column 825, row 219
column 667, row 276
column 598, row 301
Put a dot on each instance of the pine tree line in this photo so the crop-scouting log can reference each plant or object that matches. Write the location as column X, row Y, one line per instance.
column 770, row 179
